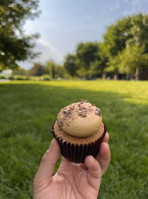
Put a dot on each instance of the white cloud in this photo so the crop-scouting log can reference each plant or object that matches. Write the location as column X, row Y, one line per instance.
column 48, row 52
column 115, row 6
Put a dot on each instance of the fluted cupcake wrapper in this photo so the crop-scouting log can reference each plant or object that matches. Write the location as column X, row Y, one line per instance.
column 78, row 152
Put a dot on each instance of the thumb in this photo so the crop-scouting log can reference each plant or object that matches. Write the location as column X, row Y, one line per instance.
column 104, row 156
column 48, row 162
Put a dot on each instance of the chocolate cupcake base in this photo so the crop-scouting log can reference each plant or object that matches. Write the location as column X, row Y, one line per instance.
column 76, row 149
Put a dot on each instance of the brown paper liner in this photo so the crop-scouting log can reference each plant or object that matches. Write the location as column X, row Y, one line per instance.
column 78, row 152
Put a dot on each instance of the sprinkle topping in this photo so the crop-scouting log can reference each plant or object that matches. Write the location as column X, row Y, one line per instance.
column 80, row 119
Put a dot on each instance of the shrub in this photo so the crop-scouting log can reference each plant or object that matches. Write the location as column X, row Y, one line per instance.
column 11, row 77
column 2, row 76
column 45, row 78
column 19, row 77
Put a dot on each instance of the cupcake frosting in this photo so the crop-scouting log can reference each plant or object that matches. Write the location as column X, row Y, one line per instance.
column 81, row 119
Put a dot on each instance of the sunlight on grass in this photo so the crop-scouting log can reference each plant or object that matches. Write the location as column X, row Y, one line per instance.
column 132, row 91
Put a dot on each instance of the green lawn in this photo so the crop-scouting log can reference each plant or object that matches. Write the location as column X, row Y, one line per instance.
column 28, row 110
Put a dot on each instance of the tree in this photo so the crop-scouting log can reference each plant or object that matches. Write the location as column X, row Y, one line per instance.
column 113, row 66
column 139, row 31
column 129, row 33
column 115, row 39
column 14, row 45
column 70, row 65
column 50, row 65
column 129, row 61
column 87, row 58
column 38, row 70
column 132, row 59
column 60, row 71
column 102, row 61
column 88, row 61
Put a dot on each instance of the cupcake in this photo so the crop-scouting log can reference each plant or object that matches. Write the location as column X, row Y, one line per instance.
column 79, row 130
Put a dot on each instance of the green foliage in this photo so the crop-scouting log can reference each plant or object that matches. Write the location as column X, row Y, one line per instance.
column 55, row 70
column 28, row 110
column 60, row 72
column 70, row 65
column 87, row 58
column 49, row 71
column 128, row 60
column 131, row 58
column 116, row 36
column 45, row 78
column 126, row 45
column 124, row 49
column 14, row 45
column 138, row 31
column 38, row 70
column 18, row 77
column 2, row 76
column 50, row 65
column 87, row 53
column 86, row 62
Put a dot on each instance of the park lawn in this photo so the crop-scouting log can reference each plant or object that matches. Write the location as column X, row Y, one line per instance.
column 28, row 110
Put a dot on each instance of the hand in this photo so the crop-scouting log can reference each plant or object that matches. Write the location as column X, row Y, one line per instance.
column 71, row 181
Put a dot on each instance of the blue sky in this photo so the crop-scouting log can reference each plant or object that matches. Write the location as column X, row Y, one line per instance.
column 64, row 23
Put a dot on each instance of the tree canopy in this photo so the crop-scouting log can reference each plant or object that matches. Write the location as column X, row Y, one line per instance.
column 14, row 44
column 38, row 70
column 70, row 64
column 124, row 50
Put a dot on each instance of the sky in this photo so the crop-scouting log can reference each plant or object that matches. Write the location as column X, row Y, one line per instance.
column 62, row 24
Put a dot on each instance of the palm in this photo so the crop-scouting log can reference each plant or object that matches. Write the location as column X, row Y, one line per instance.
column 73, row 181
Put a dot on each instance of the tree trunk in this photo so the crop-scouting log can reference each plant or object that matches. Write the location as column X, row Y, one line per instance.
column 104, row 75
column 115, row 76
column 137, row 74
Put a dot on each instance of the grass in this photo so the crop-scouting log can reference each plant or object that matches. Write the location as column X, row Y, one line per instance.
column 28, row 110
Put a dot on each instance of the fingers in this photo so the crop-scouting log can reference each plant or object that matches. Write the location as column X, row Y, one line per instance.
column 106, row 138
column 83, row 166
column 104, row 156
column 48, row 162
column 94, row 171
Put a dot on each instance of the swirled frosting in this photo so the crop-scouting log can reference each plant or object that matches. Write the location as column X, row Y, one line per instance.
column 81, row 119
